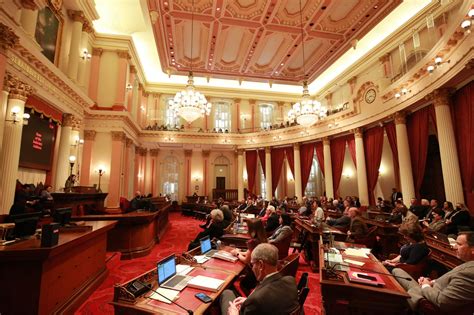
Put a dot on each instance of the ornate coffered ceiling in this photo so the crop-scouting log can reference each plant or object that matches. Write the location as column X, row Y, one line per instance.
column 260, row 40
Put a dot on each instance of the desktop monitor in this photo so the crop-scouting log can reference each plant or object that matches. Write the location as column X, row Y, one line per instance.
column 166, row 269
column 62, row 216
column 25, row 224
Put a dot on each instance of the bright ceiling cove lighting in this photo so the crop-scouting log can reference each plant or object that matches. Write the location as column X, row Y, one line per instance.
column 189, row 103
column 307, row 112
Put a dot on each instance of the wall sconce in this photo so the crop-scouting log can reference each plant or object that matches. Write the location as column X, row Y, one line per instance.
column 304, row 133
column 276, row 138
column 467, row 23
column 333, row 124
column 226, row 141
column 348, row 173
column 250, row 141
column 382, row 170
column 72, row 161
column 129, row 87
column 438, row 62
column 101, row 172
column 168, row 139
column 85, row 55
column 16, row 117
column 402, row 92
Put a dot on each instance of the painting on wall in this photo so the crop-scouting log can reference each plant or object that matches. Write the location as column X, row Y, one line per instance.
column 47, row 35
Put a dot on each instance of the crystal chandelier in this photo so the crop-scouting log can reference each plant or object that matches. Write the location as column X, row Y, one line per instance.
column 189, row 103
column 306, row 112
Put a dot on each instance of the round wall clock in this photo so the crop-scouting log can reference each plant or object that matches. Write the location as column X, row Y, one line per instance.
column 370, row 95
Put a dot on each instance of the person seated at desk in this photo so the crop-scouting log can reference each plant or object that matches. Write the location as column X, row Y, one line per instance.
column 408, row 217
column 357, row 227
column 433, row 205
column 413, row 252
column 258, row 236
column 215, row 228
column 46, row 193
column 453, row 290
column 276, row 294
column 395, row 217
column 283, row 230
column 341, row 223
column 457, row 219
column 318, row 217
column 437, row 224
column 421, row 210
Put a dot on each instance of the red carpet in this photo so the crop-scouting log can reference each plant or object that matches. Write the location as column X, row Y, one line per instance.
column 176, row 239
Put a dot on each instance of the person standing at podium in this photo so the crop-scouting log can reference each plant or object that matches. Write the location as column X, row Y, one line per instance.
column 69, row 183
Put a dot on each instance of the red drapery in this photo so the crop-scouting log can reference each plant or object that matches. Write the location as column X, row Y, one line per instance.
column 278, row 156
column 251, row 162
column 417, row 129
column 463, row 109
column 291, row 159
column 320, row 155
column 338, row 149
column 306, row 156
column 373, row 145
column 261, row 155
column 352, row 148
column 390, row 129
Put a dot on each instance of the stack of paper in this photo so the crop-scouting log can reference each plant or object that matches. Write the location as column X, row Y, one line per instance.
column 183, row 269
column 357, row 252
column 206, row 283
column 167, row 295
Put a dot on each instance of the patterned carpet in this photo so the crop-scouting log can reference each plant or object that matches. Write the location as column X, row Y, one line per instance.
column 180, row 232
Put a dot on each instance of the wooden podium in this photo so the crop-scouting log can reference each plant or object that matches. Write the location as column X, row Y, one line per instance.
column 82, row 200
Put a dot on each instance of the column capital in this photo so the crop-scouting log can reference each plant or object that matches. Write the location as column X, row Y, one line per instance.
column 240, row 152
column 87, row 27
column 8, row 38
column 268, row 150
column 358, row 132
column 352, row 81
column 154, row 152
column 17, row 89
column 326, row 141
column 280, row 104
column 118, row 135
column 252, row 102
column 146, row 94
column 296, row 145
column 400, row 118
column 237, row 100
column 206, row 153
column 29, row 4
column 142, row 151
column 328, row 98
column 123, row 54
column 77, row 16
column 128, row 142
column 97, row 52
column 440, row 97
column 470, row 64
column 68, row 120
column 89, row 135
column 188, row 153
column 384, row 58
column 133, row 69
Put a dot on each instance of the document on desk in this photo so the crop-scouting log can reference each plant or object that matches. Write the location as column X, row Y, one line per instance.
column 354, row 262
column 357, row 252
column 167, row 295
column 206, row 283
column 200, row 259
column 183, row 269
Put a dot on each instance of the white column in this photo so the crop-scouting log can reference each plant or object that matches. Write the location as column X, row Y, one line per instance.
column 148, row 173
column 361, row 168
column 3, row 111
column 84, row 61
column 28, row 19
column 240, row 174
column 62, row 170
column 135, row 99
column 297, row 158
column 75, row 49
column 10, row 154
column 447, row 147
column 268, row 173
column 328, row 168
column 404, row 159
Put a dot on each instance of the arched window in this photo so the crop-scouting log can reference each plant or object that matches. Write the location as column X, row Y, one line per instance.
column 266, row 115
column 170, row 177
column 312, row 186
column 171, row 118
column 222, row 117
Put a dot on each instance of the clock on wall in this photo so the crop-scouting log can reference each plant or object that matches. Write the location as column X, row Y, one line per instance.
column 370, row 95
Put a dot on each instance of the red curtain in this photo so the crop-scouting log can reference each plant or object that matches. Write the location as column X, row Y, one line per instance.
column 417, row 129
column 278, row 156
column 338, row 149
column 320, row 155
column 261, row 155
column 291, row 159
column 306, row 156
column 373, row 145
column 463, row 109
column 251, row 162
column 392, row 140
column 352, row 148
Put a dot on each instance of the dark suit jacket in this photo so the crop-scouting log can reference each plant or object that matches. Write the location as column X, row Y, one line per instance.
column 274, row 295
column 272, row 223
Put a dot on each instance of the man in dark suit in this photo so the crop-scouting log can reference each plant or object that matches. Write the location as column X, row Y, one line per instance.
column 275, row 294
column 452, row 291
column 396, row 195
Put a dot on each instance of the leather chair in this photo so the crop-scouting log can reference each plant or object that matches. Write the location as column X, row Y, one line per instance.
column 425, row 307
column 369, row 239
column 283, row 246
column 289, row 265
column 417, row 270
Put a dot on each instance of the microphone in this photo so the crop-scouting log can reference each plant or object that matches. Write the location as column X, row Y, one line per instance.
column 171, row 301
column 371, row 271
column 191, row 260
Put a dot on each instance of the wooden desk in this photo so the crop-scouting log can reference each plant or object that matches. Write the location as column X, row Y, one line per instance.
column 136, row 233
column 388, row 233
column 313, row 236
column 442, row 252
column 59, row 279
column 343, row 297
column 239, row 240
column 81, row 203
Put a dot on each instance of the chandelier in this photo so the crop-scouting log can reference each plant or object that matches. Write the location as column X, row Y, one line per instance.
column 306, row 112
column 189, row 103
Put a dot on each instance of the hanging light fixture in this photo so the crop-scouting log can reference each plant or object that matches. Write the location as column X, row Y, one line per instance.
column 189, row 103
column 306, row 112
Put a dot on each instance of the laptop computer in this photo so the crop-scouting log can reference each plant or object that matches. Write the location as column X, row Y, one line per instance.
column 206, row 247
column 167, row 277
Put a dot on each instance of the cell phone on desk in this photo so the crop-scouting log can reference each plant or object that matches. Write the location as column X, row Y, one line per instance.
column 203, row 297
column 366, row 277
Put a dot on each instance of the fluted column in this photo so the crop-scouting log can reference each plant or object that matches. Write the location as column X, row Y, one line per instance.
column 328, row 168
column 130, row 175
column 135, row 99
column 205, row 177
column 94, row 76
column 236, row 124
column 187, row 160
column 10, row 154
column 361, row 168
column 113, row 198
column 29, row 17
column 240, row 175
column 297, row 158
column 62, row 170
column 89, row 138
column 82, row 71
column 121, row 79
column 252, row 113
column 154, row 171
column 130, row 94
column 447, row 147
column 136, row 170
column 75, row 49
column 148, row 172
column 404, row 158
column 268, row 173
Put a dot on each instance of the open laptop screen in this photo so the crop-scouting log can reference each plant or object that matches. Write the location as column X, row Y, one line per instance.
column 166, row 269
column 205, row 244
